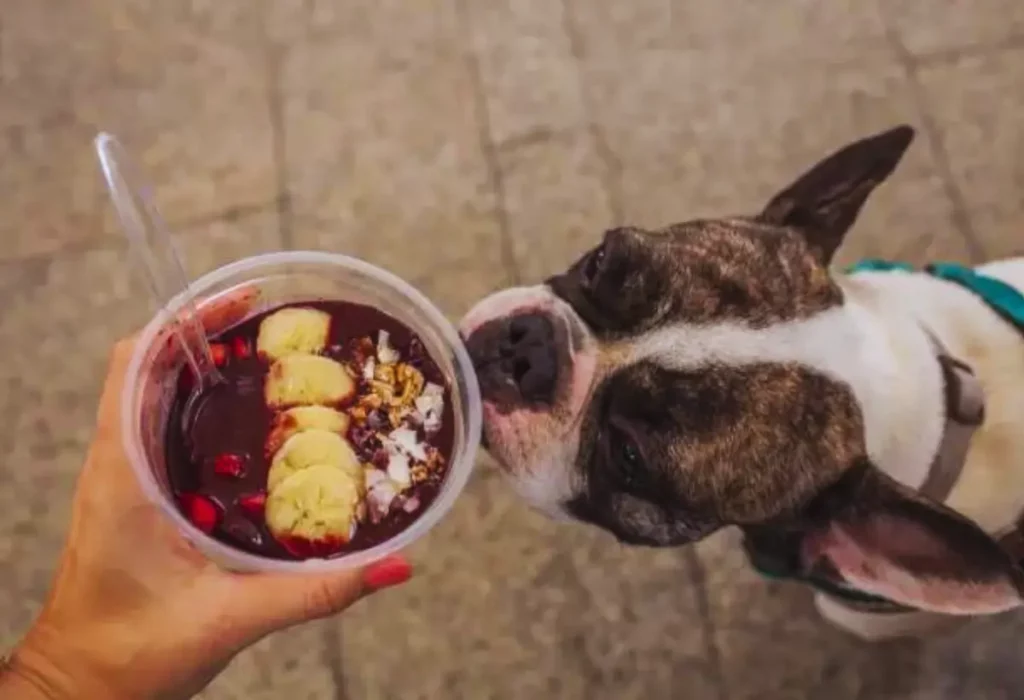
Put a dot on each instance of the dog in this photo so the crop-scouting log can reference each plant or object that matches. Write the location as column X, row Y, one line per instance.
column 719, row 373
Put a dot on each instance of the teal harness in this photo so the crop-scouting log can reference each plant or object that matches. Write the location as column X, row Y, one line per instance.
column 781, row 559
column 1000, row 297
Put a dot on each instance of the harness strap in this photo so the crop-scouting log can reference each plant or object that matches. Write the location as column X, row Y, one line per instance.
column 965, row 411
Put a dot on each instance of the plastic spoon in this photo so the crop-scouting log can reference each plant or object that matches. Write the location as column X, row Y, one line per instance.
column 154, row 253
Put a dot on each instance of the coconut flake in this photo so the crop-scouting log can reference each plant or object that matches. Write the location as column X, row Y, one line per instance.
column 386, row 354
column 380, row 494
column 373, row 477
column 429, row 407
column 405, row 441
column 380, row 500
column 398, row 470
column 368, row 369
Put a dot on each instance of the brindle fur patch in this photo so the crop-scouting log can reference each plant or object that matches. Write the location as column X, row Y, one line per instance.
column 710, row 440
column 699, row 272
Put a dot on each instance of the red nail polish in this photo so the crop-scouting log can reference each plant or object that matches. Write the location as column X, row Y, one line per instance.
column 388, row 572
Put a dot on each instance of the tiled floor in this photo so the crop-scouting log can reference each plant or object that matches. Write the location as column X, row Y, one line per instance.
column 468, row 144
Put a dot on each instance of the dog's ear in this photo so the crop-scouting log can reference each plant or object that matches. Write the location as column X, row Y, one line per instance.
column 884, row 539
column 825, row 201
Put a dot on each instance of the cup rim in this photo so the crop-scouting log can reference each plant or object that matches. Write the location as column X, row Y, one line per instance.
column 455, row 480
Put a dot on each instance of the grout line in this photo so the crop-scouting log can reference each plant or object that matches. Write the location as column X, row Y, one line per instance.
column 938, row 57
column 275, row 106
column 933, row 135
column 333, row 657
column 489, row 147
column 611, row 179
column 708, row 627
column 533, row 137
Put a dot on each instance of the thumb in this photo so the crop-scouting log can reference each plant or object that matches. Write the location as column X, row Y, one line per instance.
column 273, row 601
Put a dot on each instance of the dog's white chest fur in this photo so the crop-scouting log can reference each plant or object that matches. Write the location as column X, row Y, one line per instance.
column 991, row 488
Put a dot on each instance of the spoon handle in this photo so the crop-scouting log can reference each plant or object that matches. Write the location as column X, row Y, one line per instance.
column 154, row 254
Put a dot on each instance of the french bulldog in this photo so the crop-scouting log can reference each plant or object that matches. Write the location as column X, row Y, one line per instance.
column 719, row 373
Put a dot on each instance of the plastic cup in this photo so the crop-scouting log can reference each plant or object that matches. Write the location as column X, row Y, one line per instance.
column 277, row 279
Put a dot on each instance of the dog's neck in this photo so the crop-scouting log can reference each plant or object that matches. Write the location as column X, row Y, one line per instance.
column 896, row 376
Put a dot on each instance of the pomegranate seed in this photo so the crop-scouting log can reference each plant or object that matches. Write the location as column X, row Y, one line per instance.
column 220, row 353
column 253, row 503
column 201, row 511
column 241, row 348
column 229, row 465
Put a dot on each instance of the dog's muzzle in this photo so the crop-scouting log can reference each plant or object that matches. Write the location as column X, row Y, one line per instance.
column 516, row 358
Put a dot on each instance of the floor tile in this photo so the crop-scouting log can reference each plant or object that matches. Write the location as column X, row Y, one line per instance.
column 975, row 102
column 507, row 604
column 1000, row 229
column 723, row 148
column 291, row 664
column 38, row 480
column 52, row 191
column 211, row 244
column 395, row 23
column 977, row 660
column 385, row 164
column 466, row 266
column 57, row 334
column 795, row 32
column 558, row 201
column 773, row 645
column 184, row 88
column 529, row 75
column 926, row 28
column 188, row 93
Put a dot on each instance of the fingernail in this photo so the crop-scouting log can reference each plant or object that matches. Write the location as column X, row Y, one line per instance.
column 388, row 572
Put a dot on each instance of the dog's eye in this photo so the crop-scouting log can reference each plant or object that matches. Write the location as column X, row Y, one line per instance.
column 627, row 459
column 595, row 261
column 629, row 454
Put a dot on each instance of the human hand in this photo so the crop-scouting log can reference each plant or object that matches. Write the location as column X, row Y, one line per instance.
column 135, row 611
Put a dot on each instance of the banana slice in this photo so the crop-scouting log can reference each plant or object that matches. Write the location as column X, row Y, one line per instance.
column 302, row 418
column 307, row 379
column 310, row 448
column 295, row 330
column 313, row 511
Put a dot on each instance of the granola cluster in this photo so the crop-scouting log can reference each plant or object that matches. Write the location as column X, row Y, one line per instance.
column 395, row 413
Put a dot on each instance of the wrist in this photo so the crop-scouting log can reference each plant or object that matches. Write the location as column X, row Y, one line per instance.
column 42, row 667
column 24, row 681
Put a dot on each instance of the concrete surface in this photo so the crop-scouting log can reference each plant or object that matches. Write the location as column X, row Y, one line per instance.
column 468, row 144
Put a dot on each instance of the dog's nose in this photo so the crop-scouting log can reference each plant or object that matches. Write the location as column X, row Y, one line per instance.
column 528, row 355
